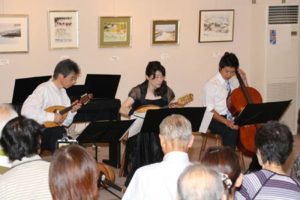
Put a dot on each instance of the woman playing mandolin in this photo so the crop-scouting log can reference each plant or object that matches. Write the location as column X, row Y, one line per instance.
column 143, row 149
column 153, row 91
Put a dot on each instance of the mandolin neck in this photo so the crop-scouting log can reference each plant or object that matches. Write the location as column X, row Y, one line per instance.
column 67, row 109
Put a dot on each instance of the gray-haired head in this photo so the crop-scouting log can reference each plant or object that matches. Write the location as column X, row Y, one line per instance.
column 198, row 181
column 6, row 113
column 176, row 128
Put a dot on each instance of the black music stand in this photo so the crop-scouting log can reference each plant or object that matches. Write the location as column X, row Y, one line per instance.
column 107, row 132
column 154, row 117
column 76, row 91
column 261, row 113
column 102, row 85
column 24, row 87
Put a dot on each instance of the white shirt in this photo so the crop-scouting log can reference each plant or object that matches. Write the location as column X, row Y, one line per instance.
column 159, row 180
column 215, row 93
column 46, row 95
column 28, row 179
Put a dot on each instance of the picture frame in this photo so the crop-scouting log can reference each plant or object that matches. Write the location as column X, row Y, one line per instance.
column 63, row 29
column 114, row 31
column 14, row 33
column 216, row 25
column 165, row 31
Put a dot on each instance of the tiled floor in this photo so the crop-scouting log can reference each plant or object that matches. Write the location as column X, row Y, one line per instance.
column 194, row 155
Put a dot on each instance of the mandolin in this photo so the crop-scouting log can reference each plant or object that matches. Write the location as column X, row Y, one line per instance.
column 106, row 178
column 182, row 101
column 64, row 110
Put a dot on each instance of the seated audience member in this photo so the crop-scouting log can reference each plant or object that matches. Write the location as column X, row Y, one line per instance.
column 295, row 171
column 158, row 180
column 6, row 113
column 200, row 182
column 73, row 174
column 274, row 143
column 28, row 177
column 226, row 161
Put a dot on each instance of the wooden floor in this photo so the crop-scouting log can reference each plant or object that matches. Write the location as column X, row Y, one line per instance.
column 194, row 156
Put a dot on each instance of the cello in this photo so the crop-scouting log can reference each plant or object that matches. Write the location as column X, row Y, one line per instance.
column 236, row 102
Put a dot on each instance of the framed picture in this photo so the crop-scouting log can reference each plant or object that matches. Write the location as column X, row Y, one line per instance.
column 114, row 31
column 216, row 25
column 63, row 29
column 13, row 33
column 165, row 32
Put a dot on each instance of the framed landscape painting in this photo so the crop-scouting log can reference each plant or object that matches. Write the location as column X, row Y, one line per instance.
column 13, row 33
column 165, row 32
column 216, row 25
column 114, row 31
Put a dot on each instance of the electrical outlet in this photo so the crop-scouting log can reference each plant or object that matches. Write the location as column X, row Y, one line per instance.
column 164, row 56
column 114, row 58
column 64, row 57
column 4, row 61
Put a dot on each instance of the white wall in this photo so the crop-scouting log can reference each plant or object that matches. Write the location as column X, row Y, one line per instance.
column 189, row 64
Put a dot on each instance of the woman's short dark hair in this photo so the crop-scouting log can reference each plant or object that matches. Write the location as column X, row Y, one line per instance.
column 66, row 67
column 229, row 60
column 275, row 142
column 21, row 137
column 151, row 69
column 73, row 174
column 225, row 160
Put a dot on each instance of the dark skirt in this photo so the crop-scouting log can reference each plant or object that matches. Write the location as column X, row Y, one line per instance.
column 141, row 149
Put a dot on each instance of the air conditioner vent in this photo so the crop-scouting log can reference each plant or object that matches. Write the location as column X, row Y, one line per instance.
column 283, row 14
column 282, row 91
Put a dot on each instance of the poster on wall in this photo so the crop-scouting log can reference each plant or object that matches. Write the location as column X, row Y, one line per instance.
column 13, row 33
column 63, row 29
column 216, row 25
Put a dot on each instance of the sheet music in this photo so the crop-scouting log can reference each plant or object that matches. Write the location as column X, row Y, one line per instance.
column 205, row 121
column 136, row 127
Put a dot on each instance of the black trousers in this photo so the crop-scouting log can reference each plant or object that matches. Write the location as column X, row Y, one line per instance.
column 229, row 136
column 141, row 149
column 254, row 165
column 50, row 137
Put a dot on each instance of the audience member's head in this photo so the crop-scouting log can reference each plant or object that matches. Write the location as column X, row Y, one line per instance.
column 175, row 134
column 274, row 142
column 199, row 182
column 21, row 137
column 295, row 171
column 73, row 174
column 226, row 161
column 6, row 113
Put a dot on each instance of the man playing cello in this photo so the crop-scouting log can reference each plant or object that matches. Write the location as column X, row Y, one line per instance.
column 216, row 92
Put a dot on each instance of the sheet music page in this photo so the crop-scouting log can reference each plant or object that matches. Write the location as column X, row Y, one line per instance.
column 205, row 121
column 136, row 127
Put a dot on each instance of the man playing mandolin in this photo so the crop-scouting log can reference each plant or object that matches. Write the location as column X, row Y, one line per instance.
column 53, row 93
column 216, row 92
